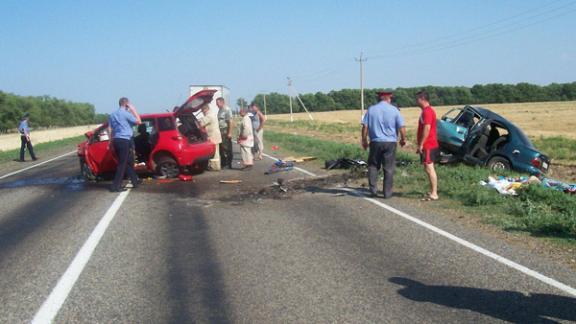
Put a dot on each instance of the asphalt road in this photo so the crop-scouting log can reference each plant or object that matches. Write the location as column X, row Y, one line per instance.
column 201, row 251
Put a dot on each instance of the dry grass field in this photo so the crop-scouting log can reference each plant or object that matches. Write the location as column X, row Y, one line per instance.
column 12, row 141
column 536, row 119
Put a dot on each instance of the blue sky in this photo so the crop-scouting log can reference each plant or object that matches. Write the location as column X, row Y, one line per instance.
column 151, row 51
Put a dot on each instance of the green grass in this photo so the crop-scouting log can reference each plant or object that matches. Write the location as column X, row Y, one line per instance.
column 322, row 149
column 536, row 210
column 309, row 125
column 557, row 147
column 41, row 149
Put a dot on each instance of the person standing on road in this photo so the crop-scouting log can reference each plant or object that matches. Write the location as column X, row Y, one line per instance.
column 25, row 138
column 258, row 120
column 210, row 122
column 225, row 124
column 382, row 123
column 246, row 139
column 120, row 123
column 428, row 147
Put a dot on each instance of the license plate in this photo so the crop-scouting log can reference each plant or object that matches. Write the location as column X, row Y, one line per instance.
column 545, row 165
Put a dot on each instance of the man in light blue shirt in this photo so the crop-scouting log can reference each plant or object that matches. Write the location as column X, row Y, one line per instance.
column 120, row 123
column 382, row 123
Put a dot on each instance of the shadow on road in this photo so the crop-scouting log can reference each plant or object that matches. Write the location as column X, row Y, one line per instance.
column 499, row 304
column 196, row 284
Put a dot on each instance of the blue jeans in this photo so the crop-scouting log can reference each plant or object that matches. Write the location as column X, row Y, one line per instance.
column 125, row 156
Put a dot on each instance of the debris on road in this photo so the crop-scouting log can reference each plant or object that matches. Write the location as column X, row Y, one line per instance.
column 185, row 177
column 299, row 159
column 163, row 181
column 280, row 166
column 344, row 163
column 230, row 181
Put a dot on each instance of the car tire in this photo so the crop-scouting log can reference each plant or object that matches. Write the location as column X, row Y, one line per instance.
column 499, row 163
column 168, row 167
column 86, row 172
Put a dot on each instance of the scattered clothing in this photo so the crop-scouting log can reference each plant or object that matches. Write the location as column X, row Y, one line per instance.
column 280, row 166
column 344, row 163
column 503, row 185
column 509, row 186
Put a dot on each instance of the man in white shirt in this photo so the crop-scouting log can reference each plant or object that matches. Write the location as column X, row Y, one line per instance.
column 246, row 139
column 210, row 122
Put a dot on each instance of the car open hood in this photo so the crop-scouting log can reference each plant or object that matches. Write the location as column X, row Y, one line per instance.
column 195, row 102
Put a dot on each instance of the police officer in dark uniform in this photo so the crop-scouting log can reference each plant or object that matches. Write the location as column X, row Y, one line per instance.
column 25, row 138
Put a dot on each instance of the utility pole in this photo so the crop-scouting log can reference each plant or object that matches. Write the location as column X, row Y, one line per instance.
column 361, row 60
column 292, row 90
column 290, row 98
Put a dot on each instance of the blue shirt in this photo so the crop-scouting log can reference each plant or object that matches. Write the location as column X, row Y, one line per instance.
column 23, row 127
column 383, row 121
column 255, row 119
column 121, row 122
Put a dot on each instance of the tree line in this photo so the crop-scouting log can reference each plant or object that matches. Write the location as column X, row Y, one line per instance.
column 45, row 111
column 440, row 96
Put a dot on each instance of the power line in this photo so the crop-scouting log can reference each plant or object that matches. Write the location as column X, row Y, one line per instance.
column 472, row 39
column 497, row 22
column 488, row 33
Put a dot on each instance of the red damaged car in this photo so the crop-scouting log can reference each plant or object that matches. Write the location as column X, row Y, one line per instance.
column 165, row 143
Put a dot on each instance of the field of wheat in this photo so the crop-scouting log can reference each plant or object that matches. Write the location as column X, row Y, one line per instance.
column 12, row 141
column 536, row 119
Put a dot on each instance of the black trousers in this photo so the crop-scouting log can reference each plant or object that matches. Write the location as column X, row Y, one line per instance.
column 226, row 153
column 382, row 154
column 125, row 156
column 26, row 144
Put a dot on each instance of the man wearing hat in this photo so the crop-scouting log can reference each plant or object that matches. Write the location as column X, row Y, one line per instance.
column 25, row 138
column 382, row 123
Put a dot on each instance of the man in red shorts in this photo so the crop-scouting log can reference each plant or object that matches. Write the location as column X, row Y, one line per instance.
column 428, row 147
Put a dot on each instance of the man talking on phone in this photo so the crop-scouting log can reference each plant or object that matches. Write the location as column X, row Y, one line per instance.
column 120, row 123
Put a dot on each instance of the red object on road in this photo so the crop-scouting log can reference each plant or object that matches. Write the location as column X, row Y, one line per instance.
column 275, row 148
column 185, row 177
column 173, row 141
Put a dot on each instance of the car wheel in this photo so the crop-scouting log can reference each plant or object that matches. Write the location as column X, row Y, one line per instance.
column 86, row 172
column 168, row 167
column 499, row 163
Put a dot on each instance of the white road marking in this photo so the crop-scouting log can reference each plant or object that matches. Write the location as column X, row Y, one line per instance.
column 35, row 165
column 57, row 297
column 534, row 274
column 295, row 168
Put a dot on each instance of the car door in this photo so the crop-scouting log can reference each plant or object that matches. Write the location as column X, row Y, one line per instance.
column 100, row 156
column 451, row 135
column 472, row 139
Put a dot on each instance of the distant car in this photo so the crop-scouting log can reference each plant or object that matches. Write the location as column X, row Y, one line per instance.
column 479, row 136
column 166, row 143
